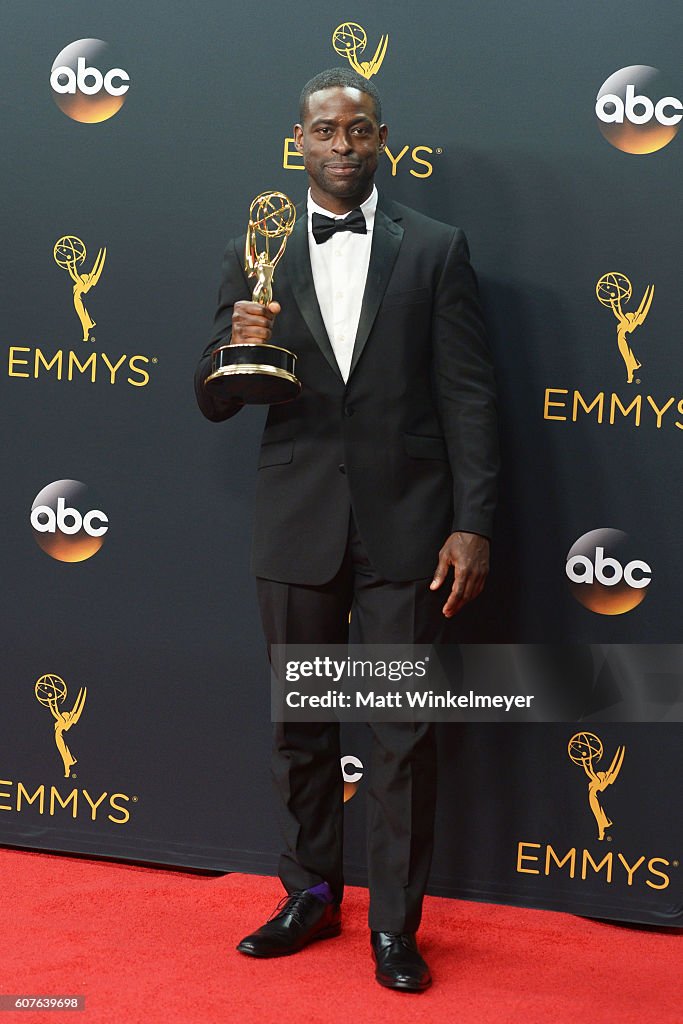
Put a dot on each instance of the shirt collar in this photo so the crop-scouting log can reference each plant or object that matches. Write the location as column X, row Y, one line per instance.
column 368, row 208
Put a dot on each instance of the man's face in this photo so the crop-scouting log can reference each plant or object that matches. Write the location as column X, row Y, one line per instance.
column 340, row 140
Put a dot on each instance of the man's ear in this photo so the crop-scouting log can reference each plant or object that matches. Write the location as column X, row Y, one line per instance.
column 383, row 132
column 299, row 138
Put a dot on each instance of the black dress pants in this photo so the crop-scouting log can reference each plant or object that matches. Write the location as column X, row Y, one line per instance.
column 306, row 755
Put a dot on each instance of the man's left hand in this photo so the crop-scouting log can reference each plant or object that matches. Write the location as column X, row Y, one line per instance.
column 468, row 553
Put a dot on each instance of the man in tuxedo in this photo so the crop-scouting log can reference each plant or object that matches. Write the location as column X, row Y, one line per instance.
column 374, row 484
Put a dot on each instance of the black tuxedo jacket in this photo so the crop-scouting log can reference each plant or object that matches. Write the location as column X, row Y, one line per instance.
column 409, row 442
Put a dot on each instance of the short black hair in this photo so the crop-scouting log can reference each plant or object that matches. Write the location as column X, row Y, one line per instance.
column 345, row 78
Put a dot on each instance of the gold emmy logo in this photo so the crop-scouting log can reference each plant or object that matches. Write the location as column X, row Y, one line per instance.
column 349, row 39
column 584, row 749
column 69, row 253
column 50, row 691
column 612, row 289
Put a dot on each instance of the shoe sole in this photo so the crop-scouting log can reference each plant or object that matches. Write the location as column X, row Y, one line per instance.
column 403, row 986
column 330, row 932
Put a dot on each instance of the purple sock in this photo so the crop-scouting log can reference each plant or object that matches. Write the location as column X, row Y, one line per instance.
column 322, row 892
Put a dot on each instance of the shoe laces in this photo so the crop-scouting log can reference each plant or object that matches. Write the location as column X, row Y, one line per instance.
column 292, row 903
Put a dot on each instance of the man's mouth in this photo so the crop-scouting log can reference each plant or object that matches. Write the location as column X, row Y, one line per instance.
column 342, row 169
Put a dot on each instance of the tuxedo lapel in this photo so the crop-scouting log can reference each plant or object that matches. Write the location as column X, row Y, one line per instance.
column 298, row 261
column 387, row 235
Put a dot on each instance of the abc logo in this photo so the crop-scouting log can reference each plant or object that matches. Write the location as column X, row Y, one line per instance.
column 604, row 576
column 64, row 523
column 352, row 772
column 84, row 85
column 634, row 114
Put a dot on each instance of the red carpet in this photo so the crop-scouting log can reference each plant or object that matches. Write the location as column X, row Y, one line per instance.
column 149, row 946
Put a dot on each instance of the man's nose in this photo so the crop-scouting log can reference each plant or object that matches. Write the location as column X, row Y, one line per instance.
column 341, row 142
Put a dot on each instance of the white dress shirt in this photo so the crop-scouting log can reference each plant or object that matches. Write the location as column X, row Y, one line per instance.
column 340, row 270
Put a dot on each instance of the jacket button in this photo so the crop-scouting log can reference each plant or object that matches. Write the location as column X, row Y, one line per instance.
column 349, row 410
column 341, row 467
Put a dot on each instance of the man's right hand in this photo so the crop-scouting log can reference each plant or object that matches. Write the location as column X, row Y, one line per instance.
column 252, row 323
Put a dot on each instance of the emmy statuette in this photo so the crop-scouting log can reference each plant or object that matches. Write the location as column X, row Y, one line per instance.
column 253, row 373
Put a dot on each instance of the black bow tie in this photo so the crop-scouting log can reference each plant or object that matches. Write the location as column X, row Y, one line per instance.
column 325, row 227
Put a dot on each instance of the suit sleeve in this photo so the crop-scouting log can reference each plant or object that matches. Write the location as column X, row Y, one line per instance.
column 234, row 286
column 466, row 392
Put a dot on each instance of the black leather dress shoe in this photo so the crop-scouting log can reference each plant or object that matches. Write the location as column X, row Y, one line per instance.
column 299, row 918
column 399, row 964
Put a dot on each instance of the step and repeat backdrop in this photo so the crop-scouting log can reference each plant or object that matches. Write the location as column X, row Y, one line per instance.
column 135, row 685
